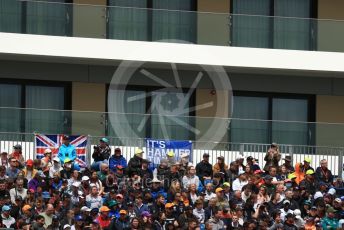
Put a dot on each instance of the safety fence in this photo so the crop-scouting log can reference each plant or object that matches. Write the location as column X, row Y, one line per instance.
column 230, row 151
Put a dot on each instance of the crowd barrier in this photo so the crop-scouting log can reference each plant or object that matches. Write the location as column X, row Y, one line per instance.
column 230, row 151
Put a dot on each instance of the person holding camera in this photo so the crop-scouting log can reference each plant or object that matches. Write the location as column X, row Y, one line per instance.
column 101, row 152
column 272, row 157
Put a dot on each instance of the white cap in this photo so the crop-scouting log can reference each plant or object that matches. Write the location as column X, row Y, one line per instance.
column 318, row 195
column 47, row 151
column 332, row 191
column 56, row 159
column 76, row 184
column 184, row 155
column 341, row 222
column 85, row 178
column 297, row 212
column 66, row 226
column 93, row 185
column 240, row 157
column 85, row 209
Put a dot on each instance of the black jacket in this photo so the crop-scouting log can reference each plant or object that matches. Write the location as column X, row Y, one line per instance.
column 204, row 169
column 134, row 165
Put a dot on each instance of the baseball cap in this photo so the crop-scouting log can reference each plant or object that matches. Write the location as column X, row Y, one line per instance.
column 332, row 191
column 290, row 215
column 47, row 151
column 169, row 205
column 95, row 210
column 78, row 218
column 67, row 160
column 184, row 155
column 76, row 184
column 146, row 214
column 56, row 159
column 331, row 209
column 318, row 195
column 205, row 154
column 122, row 211
column 112, row 203
column 65, row 137
column 138, row 151
column 29, row 162
column 307, row 159
column 85, row 178
column 170, row 154
column 338, row 200
column 46, row 195
column 66, row 226
column 226, row 184
column 286, row 202
column 104, row 209
column 219, row 190
column 120, row 167
column 268, row 177
column 85, row 209
column 17, row 146
column 5, row 208
column 105, row 140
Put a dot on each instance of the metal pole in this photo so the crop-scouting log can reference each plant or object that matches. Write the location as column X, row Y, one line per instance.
column 340, row 164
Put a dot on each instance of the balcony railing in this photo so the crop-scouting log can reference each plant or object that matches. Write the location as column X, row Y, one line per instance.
column 141, row 24
column 204, row 130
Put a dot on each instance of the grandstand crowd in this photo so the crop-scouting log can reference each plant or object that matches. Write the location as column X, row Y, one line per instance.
column 115, row 193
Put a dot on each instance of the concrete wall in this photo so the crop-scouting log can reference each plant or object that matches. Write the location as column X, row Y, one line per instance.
column 213, row 28
column 88, row 97
column 89, row 20
column 331, row 33
column 330, row 109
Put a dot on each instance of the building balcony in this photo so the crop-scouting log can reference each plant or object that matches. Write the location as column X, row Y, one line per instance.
column 142, row 24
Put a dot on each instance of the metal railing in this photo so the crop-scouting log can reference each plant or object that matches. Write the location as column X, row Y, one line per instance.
column 230, row 151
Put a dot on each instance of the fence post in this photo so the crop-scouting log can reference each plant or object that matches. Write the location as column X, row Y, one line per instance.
column 242, row 147
column 340, row 164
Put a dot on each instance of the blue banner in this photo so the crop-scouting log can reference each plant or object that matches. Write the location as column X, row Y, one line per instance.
column 158, row 149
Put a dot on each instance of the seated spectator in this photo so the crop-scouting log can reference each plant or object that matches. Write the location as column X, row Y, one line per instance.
column 117, row 160
column 323, row 174
column 12, row 171
column 18, row 190
column 190, row 178
column 101, row 153
column 220, row 167
column 204, row 170
column 240, row 182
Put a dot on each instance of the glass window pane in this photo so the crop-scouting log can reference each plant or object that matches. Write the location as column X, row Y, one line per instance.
column 249, row 30
column 177, row 24
column 130, row 118
column 247, row 131
column 45, row 121
column 47, row 18
column 10, row 16
column 168, row 121
column 290, row 110
column 10, row 96
column 293, row 31
column 128, row 21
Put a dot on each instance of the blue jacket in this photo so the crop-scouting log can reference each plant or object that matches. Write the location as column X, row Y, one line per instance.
column 114, row 161
column 66, row 152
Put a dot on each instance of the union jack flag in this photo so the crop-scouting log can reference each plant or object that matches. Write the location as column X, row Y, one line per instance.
column 53, row 142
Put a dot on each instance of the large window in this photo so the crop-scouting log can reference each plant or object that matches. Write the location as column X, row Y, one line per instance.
column 49, row 17
column 281, row 24
column 152, row 20
column 149, row 113
column 33, row 108
column 272, row 118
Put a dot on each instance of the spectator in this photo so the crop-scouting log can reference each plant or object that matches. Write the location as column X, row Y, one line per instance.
column 204, row 170
column 18, row 190
column 29, row 171
column 56, row 167
column 4, row 159
column 66, row 151
column 94, row 200
column 307, row 165
column 46, row 160
column 289, row 222
column 240, row 182
column 199, row 211
column 272, row 157
column 220, row 166
column 7, row 221
column 288, row 164
column 12, row 171
column 135, row 163
column 39, row 223
column 330, row 222
column 48, row 215
column 323, row 174
column 216, row 222
column 103, row 219
column 18, row 155
column 122, row 223
column 101, row 153
column 117, row 160
column 190, row 178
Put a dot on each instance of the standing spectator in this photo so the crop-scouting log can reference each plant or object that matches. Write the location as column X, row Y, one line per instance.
column 184, row 163
column 46, row 160
column 117, row 160
column 323, row 174
column 101, row 153
column 288, row 164
column 307, row 165
column 66, row 150
column 272, row 157
column 251, row 162
column 18, row 155
column 204, row 170
column 221, row 167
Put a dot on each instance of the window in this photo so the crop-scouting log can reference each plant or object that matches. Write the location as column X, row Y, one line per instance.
column 289, row 115
column 142, row 20
column 253, row 24
column 149, row 113
column 10, row 16
column 40, row 103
